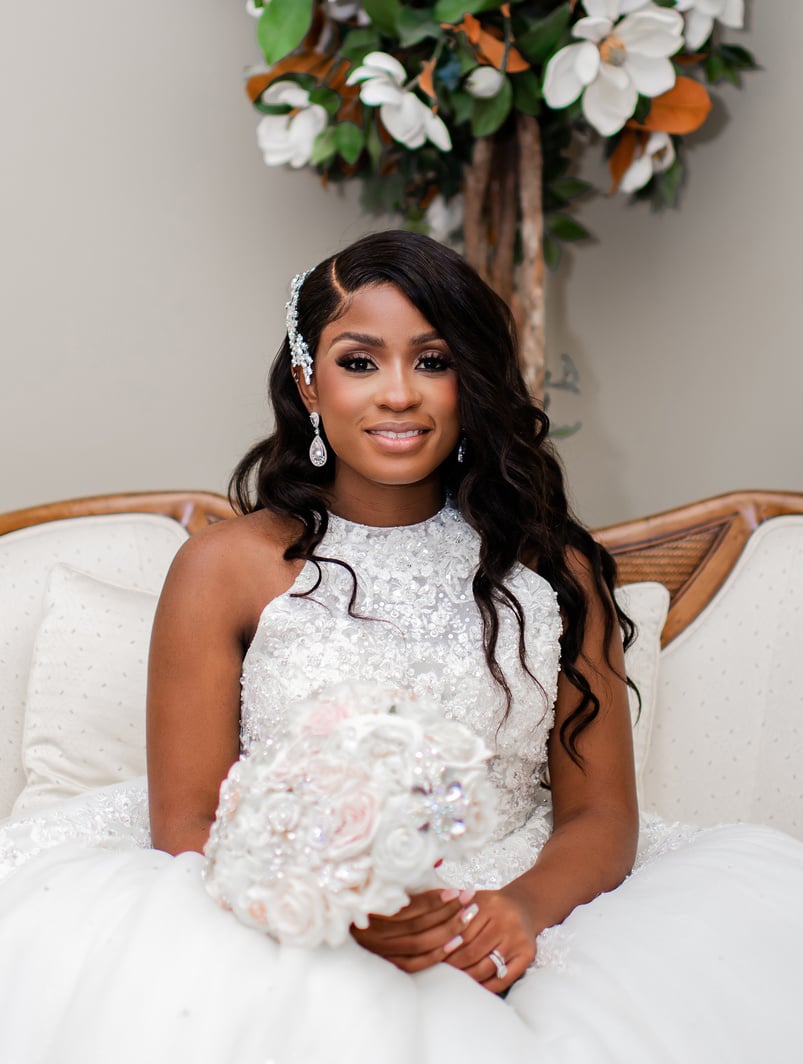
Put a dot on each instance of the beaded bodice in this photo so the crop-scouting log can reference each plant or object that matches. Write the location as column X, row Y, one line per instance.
column 417, row 626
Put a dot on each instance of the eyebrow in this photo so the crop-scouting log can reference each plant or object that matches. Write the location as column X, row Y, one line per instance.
column 377, row 341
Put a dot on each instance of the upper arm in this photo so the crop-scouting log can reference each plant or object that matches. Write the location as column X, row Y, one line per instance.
column 193, row 693
column 605, row 779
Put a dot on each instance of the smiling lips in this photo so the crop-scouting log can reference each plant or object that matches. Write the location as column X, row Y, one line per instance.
column 397, row 436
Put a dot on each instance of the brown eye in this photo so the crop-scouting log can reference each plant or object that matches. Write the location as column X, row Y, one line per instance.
column 434, row 363
column 356, row 364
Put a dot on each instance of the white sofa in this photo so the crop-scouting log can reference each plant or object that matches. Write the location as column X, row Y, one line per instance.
column 721, row 732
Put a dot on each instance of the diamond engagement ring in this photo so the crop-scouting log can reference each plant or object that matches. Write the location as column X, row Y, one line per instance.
column 499, row 961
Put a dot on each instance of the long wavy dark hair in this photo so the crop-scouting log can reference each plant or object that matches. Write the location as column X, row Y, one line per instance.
column 510, row 487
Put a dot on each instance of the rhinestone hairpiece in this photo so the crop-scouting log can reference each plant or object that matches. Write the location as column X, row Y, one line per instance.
column 299, row 352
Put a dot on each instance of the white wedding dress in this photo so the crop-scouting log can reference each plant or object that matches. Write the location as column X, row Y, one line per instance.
column 111, row 952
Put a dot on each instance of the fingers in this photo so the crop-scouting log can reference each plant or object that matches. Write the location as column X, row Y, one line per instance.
column 422, row 934
column 493, row 924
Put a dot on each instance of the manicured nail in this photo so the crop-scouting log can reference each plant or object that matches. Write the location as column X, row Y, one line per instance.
column 467, row 894
column 450, row 894
column 451, row 946
column 467, row 915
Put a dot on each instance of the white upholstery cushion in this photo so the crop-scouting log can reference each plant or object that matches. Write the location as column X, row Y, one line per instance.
column 647, row 604
column 131, row 549
column 85, row 712
column 727, row 743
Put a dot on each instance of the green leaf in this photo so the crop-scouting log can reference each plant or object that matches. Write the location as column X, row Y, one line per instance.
column 324, row 148
column 569, row 187
column 668, row 183
column 552, row 250
column 453, row 10
column 358, row 43
column 738, row 57
column 563, row 227
column 350, row 141
column 488, row 115
column 526, row 93
column 541, row 41
column 327, row 98
column 282, row 26
column 642, row 109
column 462, row 107
column 374, row 144
column 714, row 68
column 384, row 14
column 414, row 25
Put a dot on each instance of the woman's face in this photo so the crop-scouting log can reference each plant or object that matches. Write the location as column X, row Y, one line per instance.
column 385, row 386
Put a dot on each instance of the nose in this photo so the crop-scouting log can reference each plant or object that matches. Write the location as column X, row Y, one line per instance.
column 397, row 388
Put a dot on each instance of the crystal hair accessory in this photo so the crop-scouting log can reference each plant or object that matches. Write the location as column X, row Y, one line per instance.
column 300, row 356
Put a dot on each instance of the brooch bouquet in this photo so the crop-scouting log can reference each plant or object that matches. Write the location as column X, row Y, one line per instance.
column 349, row 816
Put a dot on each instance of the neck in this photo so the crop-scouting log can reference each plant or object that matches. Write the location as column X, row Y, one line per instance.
column 387, row 505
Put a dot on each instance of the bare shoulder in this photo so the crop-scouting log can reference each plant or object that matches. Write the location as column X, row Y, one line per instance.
column 233, row 569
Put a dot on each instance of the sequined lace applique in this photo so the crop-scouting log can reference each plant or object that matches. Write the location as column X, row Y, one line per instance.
column 424, row 632
column 114, row 817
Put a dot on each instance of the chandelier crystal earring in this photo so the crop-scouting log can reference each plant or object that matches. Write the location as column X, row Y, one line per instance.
column 318, row 454
column 461, row 450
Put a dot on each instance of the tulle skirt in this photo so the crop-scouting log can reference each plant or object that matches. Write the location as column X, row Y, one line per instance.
column 111, row 952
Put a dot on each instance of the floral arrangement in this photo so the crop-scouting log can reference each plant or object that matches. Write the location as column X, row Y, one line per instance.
column 463, row 116
column 372, row 789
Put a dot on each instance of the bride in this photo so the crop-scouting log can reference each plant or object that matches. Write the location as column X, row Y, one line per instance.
column 406, row 523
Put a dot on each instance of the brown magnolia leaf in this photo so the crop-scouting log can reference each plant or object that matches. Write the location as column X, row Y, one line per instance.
column 425, row 78
column 305, row 63
column 623, row 155
column 490, row 47
column 681, row 110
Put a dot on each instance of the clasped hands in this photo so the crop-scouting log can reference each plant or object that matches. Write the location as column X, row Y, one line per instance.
column 461, row 928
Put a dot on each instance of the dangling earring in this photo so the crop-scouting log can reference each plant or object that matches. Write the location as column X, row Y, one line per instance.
column 461, row 450
column 317, row 449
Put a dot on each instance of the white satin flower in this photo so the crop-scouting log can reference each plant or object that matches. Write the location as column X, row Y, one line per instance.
column 658, row 155
column 289, row 138
column 484, row 82
column 702, row 13
column 404, row 115
column 615, row 62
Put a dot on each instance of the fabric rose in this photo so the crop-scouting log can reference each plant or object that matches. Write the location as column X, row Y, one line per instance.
column 401, row 851
column 354, row 818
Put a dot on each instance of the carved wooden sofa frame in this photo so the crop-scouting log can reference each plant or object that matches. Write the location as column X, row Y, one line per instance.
column 691, row 549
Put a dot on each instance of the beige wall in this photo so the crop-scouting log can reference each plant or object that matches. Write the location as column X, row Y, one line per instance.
column 145, row 254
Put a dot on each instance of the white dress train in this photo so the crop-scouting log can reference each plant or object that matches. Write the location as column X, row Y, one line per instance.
column 111, row 951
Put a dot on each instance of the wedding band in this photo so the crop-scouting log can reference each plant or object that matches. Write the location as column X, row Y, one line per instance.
column 499, row 961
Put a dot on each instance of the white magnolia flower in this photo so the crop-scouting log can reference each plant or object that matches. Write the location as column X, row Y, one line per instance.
column 615, row 61
column 343, row 11
column 701, row 15
column 484, row 82
column 444, row 217
column 657, row 156
column 405, row 116
column 289, row 138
